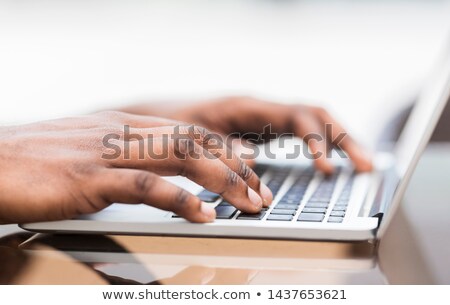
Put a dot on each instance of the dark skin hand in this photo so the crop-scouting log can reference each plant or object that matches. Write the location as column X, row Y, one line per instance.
column 60, row 169
column 245, row 114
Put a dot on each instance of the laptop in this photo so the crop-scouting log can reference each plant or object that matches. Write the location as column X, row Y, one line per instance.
column 307, row 205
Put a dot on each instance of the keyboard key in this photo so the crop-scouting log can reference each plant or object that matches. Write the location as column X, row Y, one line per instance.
column 311, row 217
column 341, row 203
column 322, row 195
column 275, row 185
column 344, row 197
column 314, row 210
column 260, row 169
column 225, row 212
column 280, row 217
column 319, row 199
column 208, row 196
column 296, row 192
column 304, row 180
column 282, row 212
column 335, row 219
column 289, row 201
column 224, row 203
column 317, row 204
column 257, row 216
column 340, row 208
column 278, row 178
column 337, row 213
column 293, row 196
column 287, row 206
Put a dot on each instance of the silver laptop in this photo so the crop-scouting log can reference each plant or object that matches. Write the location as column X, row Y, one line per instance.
column 307, row 205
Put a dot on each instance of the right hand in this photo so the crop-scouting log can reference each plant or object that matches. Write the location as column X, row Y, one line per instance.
column 63, row 168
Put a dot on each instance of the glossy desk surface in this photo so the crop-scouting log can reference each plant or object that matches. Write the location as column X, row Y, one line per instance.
column 415, row 250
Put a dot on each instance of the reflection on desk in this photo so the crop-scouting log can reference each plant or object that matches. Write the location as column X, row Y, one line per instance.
column 175, row 260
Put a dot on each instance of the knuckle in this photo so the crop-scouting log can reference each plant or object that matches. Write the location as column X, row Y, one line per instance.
column 184, row 146
column 181, row 128
column 193, row 134
column 144, row 182
column 201, row 134
column 90, row 204
column 182, row 199
column 78, row 171
column 232, row 178
column 244, row 171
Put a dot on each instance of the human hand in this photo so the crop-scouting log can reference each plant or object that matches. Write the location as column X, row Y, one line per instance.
column 245, row 115
column 63, row 168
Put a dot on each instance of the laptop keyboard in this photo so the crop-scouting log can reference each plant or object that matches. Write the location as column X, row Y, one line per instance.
column 340, row 207
column 290, row 206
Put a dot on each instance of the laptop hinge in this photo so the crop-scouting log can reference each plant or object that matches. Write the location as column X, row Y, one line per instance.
column 383, row 198
column 379, row 216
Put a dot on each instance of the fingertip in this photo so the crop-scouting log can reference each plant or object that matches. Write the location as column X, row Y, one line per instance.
column 266, row 194
column 208, row 212
column 362, row 161
column 255, row 199
column 324, row 166
column 364, row 165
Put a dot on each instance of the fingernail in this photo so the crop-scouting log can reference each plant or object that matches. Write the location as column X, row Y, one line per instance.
column 266, row 194
column 208, row 211
column 254, row 198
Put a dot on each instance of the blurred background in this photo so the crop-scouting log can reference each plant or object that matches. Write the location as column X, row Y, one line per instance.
column 364, row 60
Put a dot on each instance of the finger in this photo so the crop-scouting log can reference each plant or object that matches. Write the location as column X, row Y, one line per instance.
column 340, row 138
column 214, row 175
column 187, row 158
column 216, row 144
column 136, row 186
column 307, row 127
column 221, row 149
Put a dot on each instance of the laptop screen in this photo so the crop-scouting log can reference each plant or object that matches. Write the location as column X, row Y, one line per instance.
column 417, row 132
column 423, row 118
